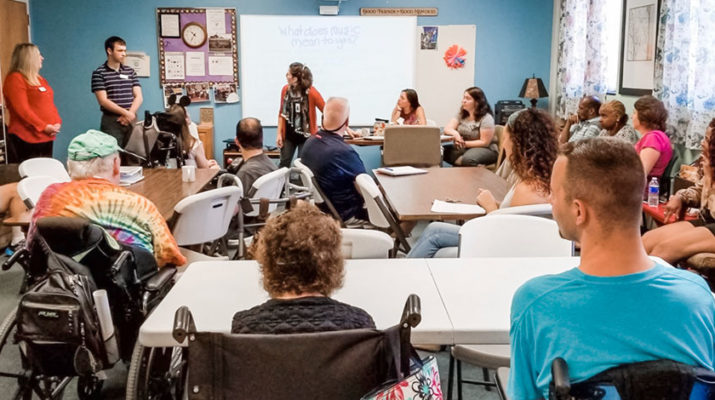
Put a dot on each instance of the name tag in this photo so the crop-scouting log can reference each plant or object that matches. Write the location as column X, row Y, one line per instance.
column 42, row 89
column 122, row 76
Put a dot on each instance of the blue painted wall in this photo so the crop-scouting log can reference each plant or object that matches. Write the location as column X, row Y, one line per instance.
column 513, row 41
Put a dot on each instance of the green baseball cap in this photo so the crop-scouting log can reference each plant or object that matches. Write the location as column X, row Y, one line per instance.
column 92, row 144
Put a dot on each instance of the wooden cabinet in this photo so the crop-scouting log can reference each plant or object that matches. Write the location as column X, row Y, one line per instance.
column 206, row 134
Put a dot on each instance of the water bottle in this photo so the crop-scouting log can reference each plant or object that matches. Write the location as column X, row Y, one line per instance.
column 653, row 189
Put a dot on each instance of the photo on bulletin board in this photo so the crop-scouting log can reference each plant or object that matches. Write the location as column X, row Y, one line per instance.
column 198, row 92
column 225, row 93
column 197, row 45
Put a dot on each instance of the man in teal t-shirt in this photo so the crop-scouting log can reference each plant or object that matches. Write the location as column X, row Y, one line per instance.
column 619, row 306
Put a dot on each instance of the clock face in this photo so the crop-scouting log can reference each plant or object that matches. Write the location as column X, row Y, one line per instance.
column 194, row 35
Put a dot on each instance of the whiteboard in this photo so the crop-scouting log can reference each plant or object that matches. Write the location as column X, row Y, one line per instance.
column 440, row 88
column 368, row 60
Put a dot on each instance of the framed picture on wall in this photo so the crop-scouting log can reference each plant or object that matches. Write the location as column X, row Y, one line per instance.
column 638, row 42
column 169, row 25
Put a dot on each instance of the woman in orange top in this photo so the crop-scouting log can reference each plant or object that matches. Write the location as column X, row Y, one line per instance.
column 297, row 119
column 34, row 120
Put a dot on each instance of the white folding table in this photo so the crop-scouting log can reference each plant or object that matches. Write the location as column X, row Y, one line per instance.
column 215, row 290
column 477, row 292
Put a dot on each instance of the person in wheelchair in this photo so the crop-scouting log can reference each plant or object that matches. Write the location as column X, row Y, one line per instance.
column 618, row 306
column 301, row 261
column 94, row 194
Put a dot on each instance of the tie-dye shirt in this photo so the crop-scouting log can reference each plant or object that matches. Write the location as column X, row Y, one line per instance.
column 129, row 217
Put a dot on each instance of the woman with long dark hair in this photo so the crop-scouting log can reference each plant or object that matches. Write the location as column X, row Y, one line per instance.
column 473, row 132
column 297, row 118
column 531, row 144
column 408, row 109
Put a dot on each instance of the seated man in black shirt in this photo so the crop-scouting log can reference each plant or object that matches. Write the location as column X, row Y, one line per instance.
column 302, row 264
column 254, row 163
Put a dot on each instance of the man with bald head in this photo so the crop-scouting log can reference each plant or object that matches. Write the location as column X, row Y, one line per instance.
column 254, row 163
column 334, row 163
column 585, row 123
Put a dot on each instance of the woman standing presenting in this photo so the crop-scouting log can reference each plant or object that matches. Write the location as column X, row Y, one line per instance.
column 34, row 120
column 297, row 119
column 473, row 132
column 409, row 109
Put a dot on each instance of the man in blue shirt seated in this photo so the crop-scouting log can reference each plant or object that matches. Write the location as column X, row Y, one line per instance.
column 334, row 163
column 619, row 306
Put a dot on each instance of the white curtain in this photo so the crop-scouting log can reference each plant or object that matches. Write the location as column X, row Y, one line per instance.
column 685, row 68
column 582, row 55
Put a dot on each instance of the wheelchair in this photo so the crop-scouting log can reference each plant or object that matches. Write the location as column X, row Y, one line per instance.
column 346, row 364
column 659, row 379
column 133, row 284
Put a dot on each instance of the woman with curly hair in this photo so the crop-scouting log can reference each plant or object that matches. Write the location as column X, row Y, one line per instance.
column 473, row 132
column 302, row 265
column 679, row 240
column 530, row 142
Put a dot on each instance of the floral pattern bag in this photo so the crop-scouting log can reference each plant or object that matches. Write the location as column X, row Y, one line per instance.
column 422, row 383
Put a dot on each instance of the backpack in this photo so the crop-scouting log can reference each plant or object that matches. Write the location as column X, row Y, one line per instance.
column 57, row 321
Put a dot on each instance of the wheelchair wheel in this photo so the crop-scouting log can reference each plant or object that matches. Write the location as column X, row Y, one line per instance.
column 157, row 373
column 19, row 381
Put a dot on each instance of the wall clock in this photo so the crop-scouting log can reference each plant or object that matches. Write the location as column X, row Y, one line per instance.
column 194, row 35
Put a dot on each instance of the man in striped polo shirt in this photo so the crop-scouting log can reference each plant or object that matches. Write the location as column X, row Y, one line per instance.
column 118, row 91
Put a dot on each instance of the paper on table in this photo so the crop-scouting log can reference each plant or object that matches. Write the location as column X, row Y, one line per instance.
column 439, row 206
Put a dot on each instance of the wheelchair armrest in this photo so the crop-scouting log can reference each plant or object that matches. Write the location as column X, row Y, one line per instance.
column 183, row 324
column 411, row 315
column 560, row 379
column 160, row 279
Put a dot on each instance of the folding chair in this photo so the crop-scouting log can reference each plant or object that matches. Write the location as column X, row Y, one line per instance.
column 412, row 145
column 378, row 212
column 328, row 365
column 30, row 189
column 43, row 166
column 501, row 236
column 499, row 133
column 205, row 217
column 366, row 243
column 308, row 180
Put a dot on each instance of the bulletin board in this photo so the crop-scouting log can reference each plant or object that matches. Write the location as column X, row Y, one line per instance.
column 197, row 45
column 441, row 88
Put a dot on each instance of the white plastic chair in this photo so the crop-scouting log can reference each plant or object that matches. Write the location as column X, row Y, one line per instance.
column 431, row 122
column 377, row 211
column 308, row 180
column 205, row 217
column 269, row 186
column 512, row 236
column 31, row 188
column 365, row 243
column 504, row 236
column 537, row 210
column 42, row 166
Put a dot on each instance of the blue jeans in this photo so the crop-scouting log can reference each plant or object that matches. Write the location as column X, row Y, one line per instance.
column 437, row 235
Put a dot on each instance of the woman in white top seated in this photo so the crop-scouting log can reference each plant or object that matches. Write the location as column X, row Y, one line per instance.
column 193, row 148
column 530, row 143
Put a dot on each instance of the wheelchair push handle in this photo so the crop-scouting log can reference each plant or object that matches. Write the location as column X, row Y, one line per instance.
column 17, row 256
column 183, row 324
column 412, row 313
column 561, row 380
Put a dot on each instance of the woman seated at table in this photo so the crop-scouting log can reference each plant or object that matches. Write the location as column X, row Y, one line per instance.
column 302, row 265
column 409, row 109
column 473, row 132
column 530, row 143
column 679, row 240
column 614, row 122
column 192, row 145
column 654, row 147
